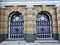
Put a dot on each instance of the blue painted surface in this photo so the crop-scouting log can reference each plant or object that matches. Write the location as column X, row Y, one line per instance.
column 16, row 27
column 43, row 26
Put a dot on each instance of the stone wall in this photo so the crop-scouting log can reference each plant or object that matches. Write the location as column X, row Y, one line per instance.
column 29, row 19
column 58, row 21
column 52, row 10
column 3, row 25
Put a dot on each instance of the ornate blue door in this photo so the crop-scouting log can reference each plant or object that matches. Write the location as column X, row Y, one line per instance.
column 16, row 26
column 43, row 26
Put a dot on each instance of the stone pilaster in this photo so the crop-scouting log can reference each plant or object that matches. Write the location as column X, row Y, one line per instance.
column 52, row 10
column 54, row 26
column 15, row 7
column 58, row 21
column 43, row 7
column 30, row 24
column 1, row 23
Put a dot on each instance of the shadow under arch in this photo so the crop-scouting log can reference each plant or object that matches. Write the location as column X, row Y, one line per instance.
column 16, row 26
column 14, row 12
column 46, row 12
column 44, row 25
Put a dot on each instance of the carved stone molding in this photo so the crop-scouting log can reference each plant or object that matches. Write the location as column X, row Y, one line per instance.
column 29, row 11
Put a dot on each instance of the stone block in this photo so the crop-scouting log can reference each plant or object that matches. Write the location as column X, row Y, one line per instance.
column 59, row 37
column 55, row 36
column 30, row 37
column 1, row 24
column 6, row 24
column 5, row 30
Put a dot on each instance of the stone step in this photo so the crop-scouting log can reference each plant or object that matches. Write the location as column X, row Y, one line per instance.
column 31, row 40
column 47, row 41
column 25, row 43
column 15, row 39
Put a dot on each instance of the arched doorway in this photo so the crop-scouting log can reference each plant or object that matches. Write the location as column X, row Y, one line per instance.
column 16, row 26
column 43, row 26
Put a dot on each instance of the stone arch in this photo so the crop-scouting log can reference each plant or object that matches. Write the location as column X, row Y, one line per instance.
column 42, row 24
column 18, row 25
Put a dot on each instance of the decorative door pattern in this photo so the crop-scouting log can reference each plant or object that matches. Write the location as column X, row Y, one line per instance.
column 43, row 26
column 42, row 22
column 16, row 26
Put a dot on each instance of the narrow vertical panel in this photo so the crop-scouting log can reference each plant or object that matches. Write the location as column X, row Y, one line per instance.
column 43, row 7
column 15, row 8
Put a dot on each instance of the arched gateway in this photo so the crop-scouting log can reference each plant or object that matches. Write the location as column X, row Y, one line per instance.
column 16, row 28
column 43, row 25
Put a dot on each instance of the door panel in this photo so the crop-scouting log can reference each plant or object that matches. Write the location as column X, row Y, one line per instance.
column 17, row 26
column 43, row 26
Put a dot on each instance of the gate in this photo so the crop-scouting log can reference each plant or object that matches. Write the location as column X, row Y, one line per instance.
column 43, row 26
column 16, row 26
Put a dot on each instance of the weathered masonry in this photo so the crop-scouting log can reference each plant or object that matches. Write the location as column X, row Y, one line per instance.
column 17, row 22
